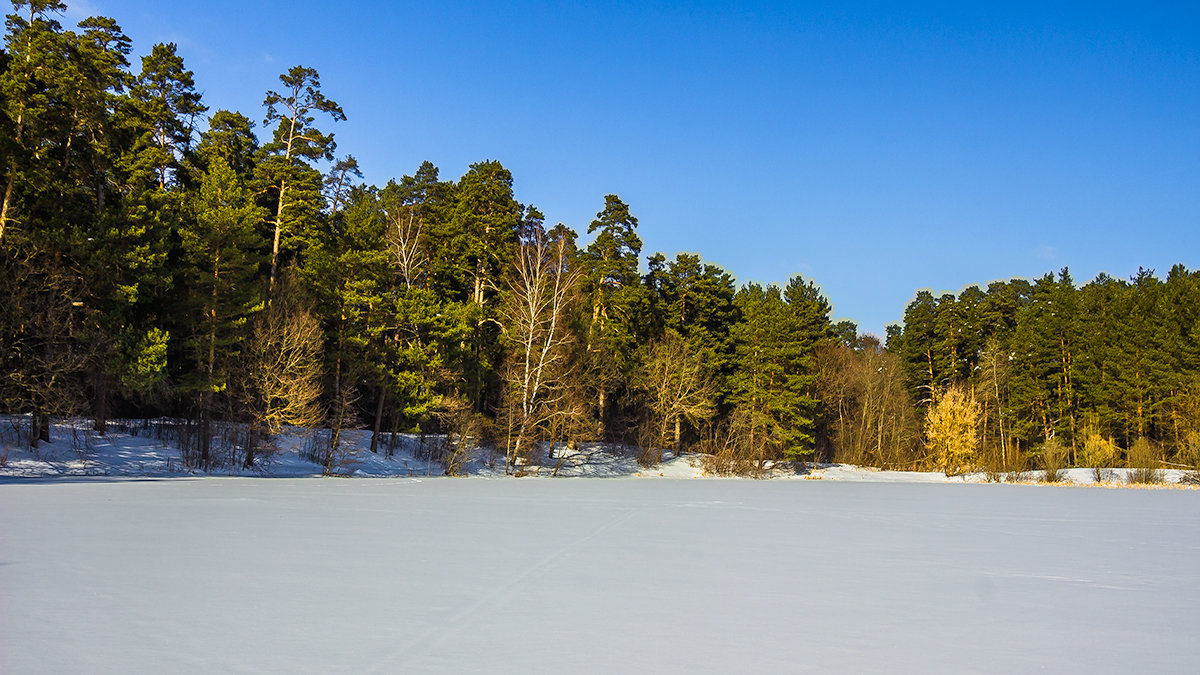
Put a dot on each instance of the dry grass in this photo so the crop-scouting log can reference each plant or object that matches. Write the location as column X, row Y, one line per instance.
column 1110, row 486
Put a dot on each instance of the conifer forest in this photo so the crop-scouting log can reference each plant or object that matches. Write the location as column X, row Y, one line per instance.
column 235, row 272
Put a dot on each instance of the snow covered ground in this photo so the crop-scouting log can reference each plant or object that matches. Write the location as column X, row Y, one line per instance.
column 266, row 575
column 135, row 449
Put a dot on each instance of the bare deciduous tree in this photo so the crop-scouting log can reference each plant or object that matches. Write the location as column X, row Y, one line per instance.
column 43, row 346
column 677, row 387
column 404, row 246
column 871, row 419
column 731, row 449
column 542, row 287
column 995, row 434
column 283, row 371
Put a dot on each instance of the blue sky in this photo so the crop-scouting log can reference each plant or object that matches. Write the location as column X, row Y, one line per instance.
column 876, row 148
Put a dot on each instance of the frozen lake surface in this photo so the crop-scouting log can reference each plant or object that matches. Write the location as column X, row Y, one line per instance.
column 273, row 575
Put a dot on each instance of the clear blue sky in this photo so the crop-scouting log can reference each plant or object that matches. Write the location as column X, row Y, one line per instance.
column 876, row 148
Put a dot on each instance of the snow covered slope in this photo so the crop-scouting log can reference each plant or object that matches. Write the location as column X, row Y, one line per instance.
column 251, row 575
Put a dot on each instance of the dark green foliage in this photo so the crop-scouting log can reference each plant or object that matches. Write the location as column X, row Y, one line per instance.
column 916, row 346
column 614, row 297
column 774, row 381
column 695, row 300
column 220, row 247
column 230, row 137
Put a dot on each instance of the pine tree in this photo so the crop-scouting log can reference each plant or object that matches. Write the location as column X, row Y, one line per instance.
column 219, row 251
column 916, row 347
column 810, row 330
column 31, row 88
column 1045, row 348
column 428, row 326
column 482, row 231
column 774, row 383
column 154, row 127
column 163, row 107
column 284, row 161
column 1101, row 306
column 347, row 269
column 610, row 283
column 230, row 138
column 694, row 299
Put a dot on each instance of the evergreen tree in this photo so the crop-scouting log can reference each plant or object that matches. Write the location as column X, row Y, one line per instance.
column 483, row 229
column 610, row 283
column 1045, row 347
column 916, row 347
column 347, row 269
column 154, row 124
column 1101, row 306
column 774, row 383
column 230, row 138
column 219, row 251
column 163, row 106
column 429, row 327
column 295, row 185
column 340, row 181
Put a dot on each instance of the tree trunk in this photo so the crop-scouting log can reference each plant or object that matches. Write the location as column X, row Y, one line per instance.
column 600, row 415
column 287, row 156
column 335, row 435
column 8, row 190
column 34, row 426
column 205, row 432
column 43, row 428
column 100, row 413
column 378, row 420
column 12, row 169
column 251, row 435
column 275, row 246
column 477, row 373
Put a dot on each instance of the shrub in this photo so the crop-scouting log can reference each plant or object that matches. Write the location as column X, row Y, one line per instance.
column 1189, row 451
column 732, row 449
column 1143, row 458
column 1054, row 460
column 1098, row 452
column 1190, row 454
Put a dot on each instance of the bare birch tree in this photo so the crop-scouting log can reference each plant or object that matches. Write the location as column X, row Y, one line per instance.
column 541, row 289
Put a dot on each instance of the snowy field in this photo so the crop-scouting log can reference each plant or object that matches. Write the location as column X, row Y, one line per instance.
column 270, row 575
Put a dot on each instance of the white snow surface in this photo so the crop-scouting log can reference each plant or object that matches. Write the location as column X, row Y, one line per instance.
column 443, row 575
column 132, row 448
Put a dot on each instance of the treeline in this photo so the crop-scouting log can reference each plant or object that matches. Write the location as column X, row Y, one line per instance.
column 153, row 265
column 158, row 260
column 1075, row 376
